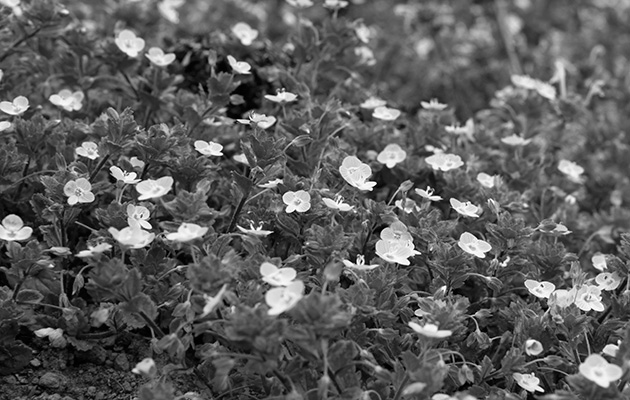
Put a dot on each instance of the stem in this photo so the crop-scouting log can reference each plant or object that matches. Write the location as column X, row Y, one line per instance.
column 508, row 40
column 237, row 211
column 32, row 303
column 400, row 388
column 19, row 42
column 24, row 171
column 152, row 324
column 51, row 171
column 135, row 91
column 98, row 168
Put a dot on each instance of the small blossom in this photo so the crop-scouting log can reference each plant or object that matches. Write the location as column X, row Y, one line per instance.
column 515, row 140
column 528, row 382
column 363, row 33
column 146, row 368
column 571, row 170
column 60, row 251
column 596, row 369
column 396, row 232
column 132, row 236
column 78, row 191
column 277, row 276
column 168, row 9
column 356, row 173
column 138, row 215
column 396, row 252
column 254, row 231
column 10, row 3
column 385, row 113
column 470, row 244
column 545, row 90
column 212, row 301
column 409, row 206
column 373, row 102
column 589, row 298
column 533, row 347
column 337, row 204
column 540, row 289
column 271, row 184
column 428, row 194
column 239, row 67
column 151, row 189
column 4, row 125
column 68, row 100
column 391, row 155
column 244, row 33
column 13, row 229
column 467, row 130
column 159, row 58
column 281, row 299
column 208, row 148
column 54, row 335
column 433, row 105
column 88, row 150
column 187, row 232
column 281, row 96
column 129, row 43
column 299, row 201
column 94, row 250
column 430, row 330
column 608, row 281
column 136, row 163
column 465, row 208
column 260, row 120
column 241, row 158
column 444, row 162
column 611, row 349
column 335, row 4
column 16, row 107
column 599, row 261
column 485, row 180
column 100, row 316
column 524, row 81
column 360, row 264
column 562, row 298
column 128, row 178
column 300, row 3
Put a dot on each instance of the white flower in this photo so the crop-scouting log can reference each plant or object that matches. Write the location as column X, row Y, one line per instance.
column 159, row 58
column 337, row 204
column 132, row 237
column 187, row 232
column 94, row 250
column 299, row 201
column 244, row 33
column 533, row 347
column 433, row 105
column 562, row 298
column 260, row 120
column 363, row 33
column 589, row 298
column 385, row 113
column 138, row 215
column 300, row 3
column 611, row 349
column 281, row 299
column 430, row 330
column 428, row 194
column 4, row 125
column 208, row 148
column 151, row 189
column 88, row 150
column 239, row 67
column 15, row 107
column 397, row 231
column 146, row 368
column 356, row 173
column 465, row 208
column 128, row 178
column 78, row 191
column 254, row 231
column 212, row 301
column 168, row 9
column 467, row 130
column 360, row 264
column 596, row 369
column 54, row 335
column 13, row 228
column 136, row 163
column 277, row 276
column 540, row 289
column 470, row 244
column 271, row 184
column 395, row 251
column 515, row 140
column 391, row 155
column 528, row 382
column 373, row 102
column 335, row 4
column 281, row 96
column 68, row 100
column 444, row 162
column 571, row 170
column 409, row 206
column 485, row 180
column 129, row 43
column 608, row 281
column 524, row 81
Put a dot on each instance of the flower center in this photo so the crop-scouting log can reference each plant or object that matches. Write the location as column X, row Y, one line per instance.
column 78, row 192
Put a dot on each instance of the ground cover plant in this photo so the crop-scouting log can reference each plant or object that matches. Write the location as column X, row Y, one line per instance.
column 314, row 200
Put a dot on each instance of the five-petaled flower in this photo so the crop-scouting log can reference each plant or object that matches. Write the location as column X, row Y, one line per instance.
column 146, row 368
column 151, row 189
column 465, row 208
column 335, row 4
column 373, row 102
column 540, row 289
column 15, row 107
column 391, row 155
column 533, row 347
column 608, row 281
column 470, row 244
column 159, row 58
column 239, row 67
column 515, row 140
column 78, row 191
column 261, row 121
column 528, row 382
column 13, row 229
column 281, row 96
column 356, row 173
column 467, row 130
column 54, row 335
column 395, row 251
column 300, row 3
column 128, row 178
column 428, row 194
column 132, row 236
column 385, row 113
column 88, row 150
column 283, row 298
column 68, row 100
column 444, row 162
column 254, row 231
column 433, row 105
column 277, row 276
column 589, row 298
column 485, row 180
column 94, row 250
column 138, row 215
column 299, row 201
column 599, row 261
column 244, row 33
column 4, row 125
column 337, row 204
column 187, row 232
column 208, row 148
column 571, row 170
column 596, row 369
column 430, row 330
column 360, row 264
column 562, row 298
column 129, row 43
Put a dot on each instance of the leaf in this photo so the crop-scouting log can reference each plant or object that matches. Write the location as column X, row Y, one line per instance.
column 141, row 303
column 14, row 357
column 29, row 295
column 342, row 353
column 486, row 367
column 157, row 391
column 221, row 379
column 81, row 345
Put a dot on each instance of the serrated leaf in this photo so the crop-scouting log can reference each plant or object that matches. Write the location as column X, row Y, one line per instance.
column 29, row 295
column 221, row 379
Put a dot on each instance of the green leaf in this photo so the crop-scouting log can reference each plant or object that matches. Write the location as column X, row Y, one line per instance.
column 29, row 295
column 221, row 379
column 342, row 353
column 141, row 303
column 14, row 357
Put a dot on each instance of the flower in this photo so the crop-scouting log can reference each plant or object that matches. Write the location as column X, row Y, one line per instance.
column 271, row 184
column 10, row 3
column 428, row 194
column 68, row 100
column 239, row 67
column 562, row 298
column 78, row 191
column 397, row 231
column 159, row 58
column 540, row 289
column 13, row 228
column 129, row 43
column 430, row 330
column 260, row 120
column 128, row 178
column 528, row 382
column 151, row 189
column 337, row 204
column 571, row 170
column 608, row 281
column 299, row 201
column 365, row 55
column 208, row 148
column 599, row 261
column 596, row 369
column 373, row 102
column 363, row 32
column 356, row 172
column 515, row 140
column 277, row 276
column 132, row 236
column 335, row 4
column 281, row 96
column 212, row 301
column 444, row 162
column 136, row 163
column 244, row 33
column 146, row 368
column 611, row 349
column 138, row 215
column 54, row 335
column 523, row 81
column 467, row 130
column 533, row 347
column 395, row 251
column 471, row 245
column 485, row 180
column 433, row 105
column 589, row 298
column 465, row 208
column 281, row 299
column 409, row 206
column 300, row 3
column 4, row 125
column 94, row 250
column 88, row 150
column 360, row 264
column 16, row 107
column 385, row 113
column 187, row 232
column 391, row 155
